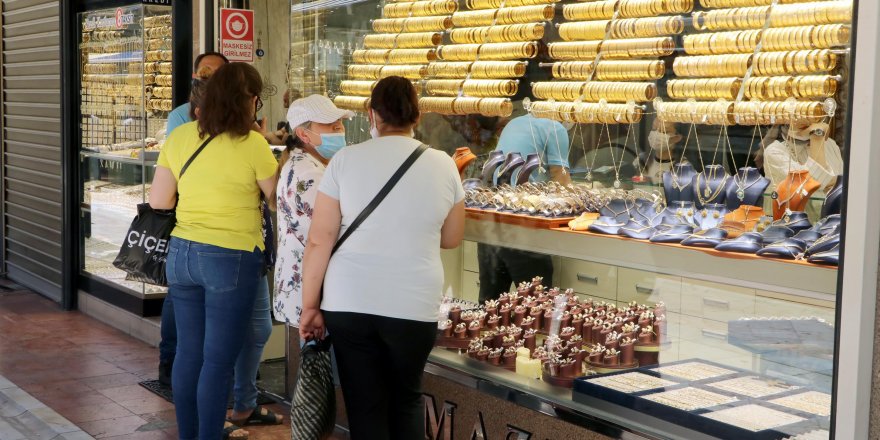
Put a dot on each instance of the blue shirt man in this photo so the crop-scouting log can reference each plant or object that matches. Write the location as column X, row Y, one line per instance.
column 549, row 139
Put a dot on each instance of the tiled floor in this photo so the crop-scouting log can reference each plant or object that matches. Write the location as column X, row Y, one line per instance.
column 85, row 371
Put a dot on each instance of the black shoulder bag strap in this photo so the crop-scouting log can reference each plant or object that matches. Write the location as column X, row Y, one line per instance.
column 381, row 195
column 194, row 155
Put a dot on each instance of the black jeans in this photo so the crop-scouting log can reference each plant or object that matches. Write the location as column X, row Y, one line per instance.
column 501, row 266
column 380, row 362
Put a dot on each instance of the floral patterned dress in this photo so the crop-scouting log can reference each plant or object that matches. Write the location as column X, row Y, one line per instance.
column 296, row 192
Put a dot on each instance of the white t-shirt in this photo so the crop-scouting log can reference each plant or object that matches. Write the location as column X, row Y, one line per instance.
column 779, row 160
column 390, row 266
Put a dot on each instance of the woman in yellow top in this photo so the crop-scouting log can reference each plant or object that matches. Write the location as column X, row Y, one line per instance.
column 215, row 255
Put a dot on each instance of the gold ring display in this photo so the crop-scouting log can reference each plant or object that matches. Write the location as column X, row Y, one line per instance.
column 403, row 41
column 356, row 103
column 489, row 51
column 419, row 9
column 498, row 34
column 712, row 65
column 704, row 88
column 412, row 24
column 492, row 4
column 514, row 15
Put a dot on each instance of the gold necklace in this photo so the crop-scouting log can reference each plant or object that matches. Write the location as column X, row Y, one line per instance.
column 710, row 195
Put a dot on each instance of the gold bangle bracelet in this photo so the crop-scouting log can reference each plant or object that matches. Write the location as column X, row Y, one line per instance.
column 498, row 69
column 513, row 15
column 492, row 4
column 463, row 106
column 419, row 8
column 733, row 65
column 712, row 113
column 444, row 87
column 584, row 30
column 412, row 24
column 637, row 48
column 498, row 34
column 356, row 103
column 560, row 90
column 745, row 3
column 635, row 70
column 402, row 41
column 598, row 10
column 586, row 113
column 488, row 52
column 574, row 50
column 704, row 88
column 777, row 112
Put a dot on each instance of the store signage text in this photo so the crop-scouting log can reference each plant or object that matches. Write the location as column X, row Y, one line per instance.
column 439, row 425
column 120, row 20
column 157, row 2
column 237, row 34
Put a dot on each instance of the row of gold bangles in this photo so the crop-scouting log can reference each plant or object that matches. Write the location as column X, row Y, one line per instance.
column 393, row 56
column 413, row 24
column 721, row 42
column 627, row 70
column 704, row 88
column 612, row 49
column 158, row 55
column 113, row 47
column 356, row 103
column 498, row 34
column 712, row 113
column 403, row 41
column 160, row 92
column 157, row 20
column 765, row 64
column 103, row 68
column 365, row 88
column 489, row 51
column 159, row 32
column 586, row 112
column 511, row 15
column 473, row 87
column 477, row 69
column 777, row 112
column 712, row 65
column 744, row 3
column 653, row 8
column 103, row 35
column 783, row 87
column 594, row 91
column 419, row 9
column 157, row 44
column 159, row 104
column 379, row 71
column 780, row 16
column 626, row 28
column 467, row 105
column 600, row 10
column 157, row 67
column 492, row 4
column 774, row 39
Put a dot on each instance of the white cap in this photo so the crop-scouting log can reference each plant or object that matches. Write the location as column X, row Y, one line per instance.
column 315, row 108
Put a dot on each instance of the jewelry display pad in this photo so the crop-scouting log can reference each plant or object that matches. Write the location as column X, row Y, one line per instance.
column 752, row 386
column 754, row 417
column 694, row 371
column 690, row 399
column 812, row 402
column 631, row 382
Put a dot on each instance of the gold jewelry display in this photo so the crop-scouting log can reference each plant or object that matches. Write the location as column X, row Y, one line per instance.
column 498, row 34
column 704, row 88
column 694, row 371
column 514, row 15
column 638, row 47
column 610, row 70
column 598, row 10
column 359, row 88
column 796, row 62
column 403, row 41
column 574, row 50
column 163, row 80
column 647, row 27
column 393, row 56
column 586, row 113
column 356, row 103
column 806, row 37
column 744, row 3
column 690, row 399
column 753, row 417
column 490, row 51
column 419, row 9
column 584, row 30
column 412, row 24
column 491, row 4
column 595, row 91
column 649, row 8
column 818, row 13
column 374, row 71
column 465, row 105
column 714, row 113
column 777, row 112
column 722, row 42
column 712, row 65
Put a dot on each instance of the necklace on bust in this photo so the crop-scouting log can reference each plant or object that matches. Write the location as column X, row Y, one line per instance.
column 741, row 186
column 676, row 179
column 799, row 191
column 709, row 194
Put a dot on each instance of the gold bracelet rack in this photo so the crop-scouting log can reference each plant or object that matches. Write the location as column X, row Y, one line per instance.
column 413, row 24
column 472, row 87
column 494, row 4
column 628, row 70
column 356, row 103
column 467, row 105
column 595, row 91
column 498, row 34
column 503, row 16
column 379, row 71
column 403, row 41
column 489, row 51
column 419, row 9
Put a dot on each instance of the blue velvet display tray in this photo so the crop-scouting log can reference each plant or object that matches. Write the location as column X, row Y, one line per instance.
column 694, row 420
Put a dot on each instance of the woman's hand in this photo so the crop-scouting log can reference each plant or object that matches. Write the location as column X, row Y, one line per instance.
column 311, row 324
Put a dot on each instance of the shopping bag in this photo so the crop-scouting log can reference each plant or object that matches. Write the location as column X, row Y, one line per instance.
column 145, row 248
column 313, row 407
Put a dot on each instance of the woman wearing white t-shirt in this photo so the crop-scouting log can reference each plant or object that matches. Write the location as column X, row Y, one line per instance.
column 382, row 288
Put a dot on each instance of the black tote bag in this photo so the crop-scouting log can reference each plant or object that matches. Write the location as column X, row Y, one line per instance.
column 144, row 250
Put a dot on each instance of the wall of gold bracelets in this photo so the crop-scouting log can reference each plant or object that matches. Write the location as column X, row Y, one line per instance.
column 682, row 265
column 125, row 57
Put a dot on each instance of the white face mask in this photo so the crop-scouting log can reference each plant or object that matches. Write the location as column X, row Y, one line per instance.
column 374, row 130
column 659, row 141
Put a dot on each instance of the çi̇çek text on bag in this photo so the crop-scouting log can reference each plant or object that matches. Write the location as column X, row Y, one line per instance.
column 145, row 247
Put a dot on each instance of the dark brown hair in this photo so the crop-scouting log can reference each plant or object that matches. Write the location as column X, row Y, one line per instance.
column 396, row 101
column 208, row 54
column 227, row 105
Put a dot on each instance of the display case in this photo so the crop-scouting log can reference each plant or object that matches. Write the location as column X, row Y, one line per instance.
column 125, row 83
column 695, row 224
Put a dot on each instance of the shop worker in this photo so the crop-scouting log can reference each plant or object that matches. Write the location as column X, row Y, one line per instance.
column 501, row 267
column 205, row 64
column 318, row 134
column 802, row 146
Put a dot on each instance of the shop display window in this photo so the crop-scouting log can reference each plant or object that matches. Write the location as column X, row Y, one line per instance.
column 125, row 96
column 653, row 192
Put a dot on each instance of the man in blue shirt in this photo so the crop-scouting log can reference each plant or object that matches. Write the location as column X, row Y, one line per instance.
column 203, row 67
column 549, row 139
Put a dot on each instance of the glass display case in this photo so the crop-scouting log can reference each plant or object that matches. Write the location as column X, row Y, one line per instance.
column 125, row 96
column 653, row 192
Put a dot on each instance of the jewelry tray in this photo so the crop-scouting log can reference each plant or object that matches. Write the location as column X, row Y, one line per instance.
column 529, row 221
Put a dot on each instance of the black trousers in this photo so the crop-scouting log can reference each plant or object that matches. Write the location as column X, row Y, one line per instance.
column 500, row 266
column 381, row 361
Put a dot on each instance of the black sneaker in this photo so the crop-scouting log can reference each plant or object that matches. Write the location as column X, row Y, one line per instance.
column 165, row 373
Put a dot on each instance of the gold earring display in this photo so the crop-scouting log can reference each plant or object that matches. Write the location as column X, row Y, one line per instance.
column 356, row 103
column 402, row 41
column 412, row 24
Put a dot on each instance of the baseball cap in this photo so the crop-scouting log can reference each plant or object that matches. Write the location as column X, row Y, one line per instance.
column 315, row 108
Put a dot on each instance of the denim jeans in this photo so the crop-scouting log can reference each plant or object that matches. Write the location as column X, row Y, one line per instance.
column 213, row 291
column 168, row 331
column 245, row 390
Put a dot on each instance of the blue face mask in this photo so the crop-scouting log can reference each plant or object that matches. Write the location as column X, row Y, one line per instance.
column 331, row 143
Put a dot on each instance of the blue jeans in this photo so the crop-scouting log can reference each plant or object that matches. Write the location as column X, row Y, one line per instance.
column 213, row 291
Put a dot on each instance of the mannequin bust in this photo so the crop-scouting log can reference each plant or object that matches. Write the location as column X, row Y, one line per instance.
column 746, row 188
column 742, row 220
column 793, row 193
column 711, row 215
column 532, row 163
column 511, row 164
column 496, row 158
column 709, row 185
column 833, row 199
column 677, row 182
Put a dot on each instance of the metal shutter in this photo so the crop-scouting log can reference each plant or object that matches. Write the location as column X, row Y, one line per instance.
column 32, row 168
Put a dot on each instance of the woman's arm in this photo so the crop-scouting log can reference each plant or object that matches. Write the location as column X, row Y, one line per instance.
column 163, row 191
column 452, row 231
column 267, row 186
column 323, row 234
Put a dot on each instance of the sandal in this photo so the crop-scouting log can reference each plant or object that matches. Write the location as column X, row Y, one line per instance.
column 260, row 416
column 232, row 431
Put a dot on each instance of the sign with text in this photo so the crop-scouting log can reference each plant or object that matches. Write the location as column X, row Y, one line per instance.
column 237, row 34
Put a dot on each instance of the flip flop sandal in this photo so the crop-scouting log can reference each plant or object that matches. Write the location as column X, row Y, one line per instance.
column 230, row 428
column 259, row 419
